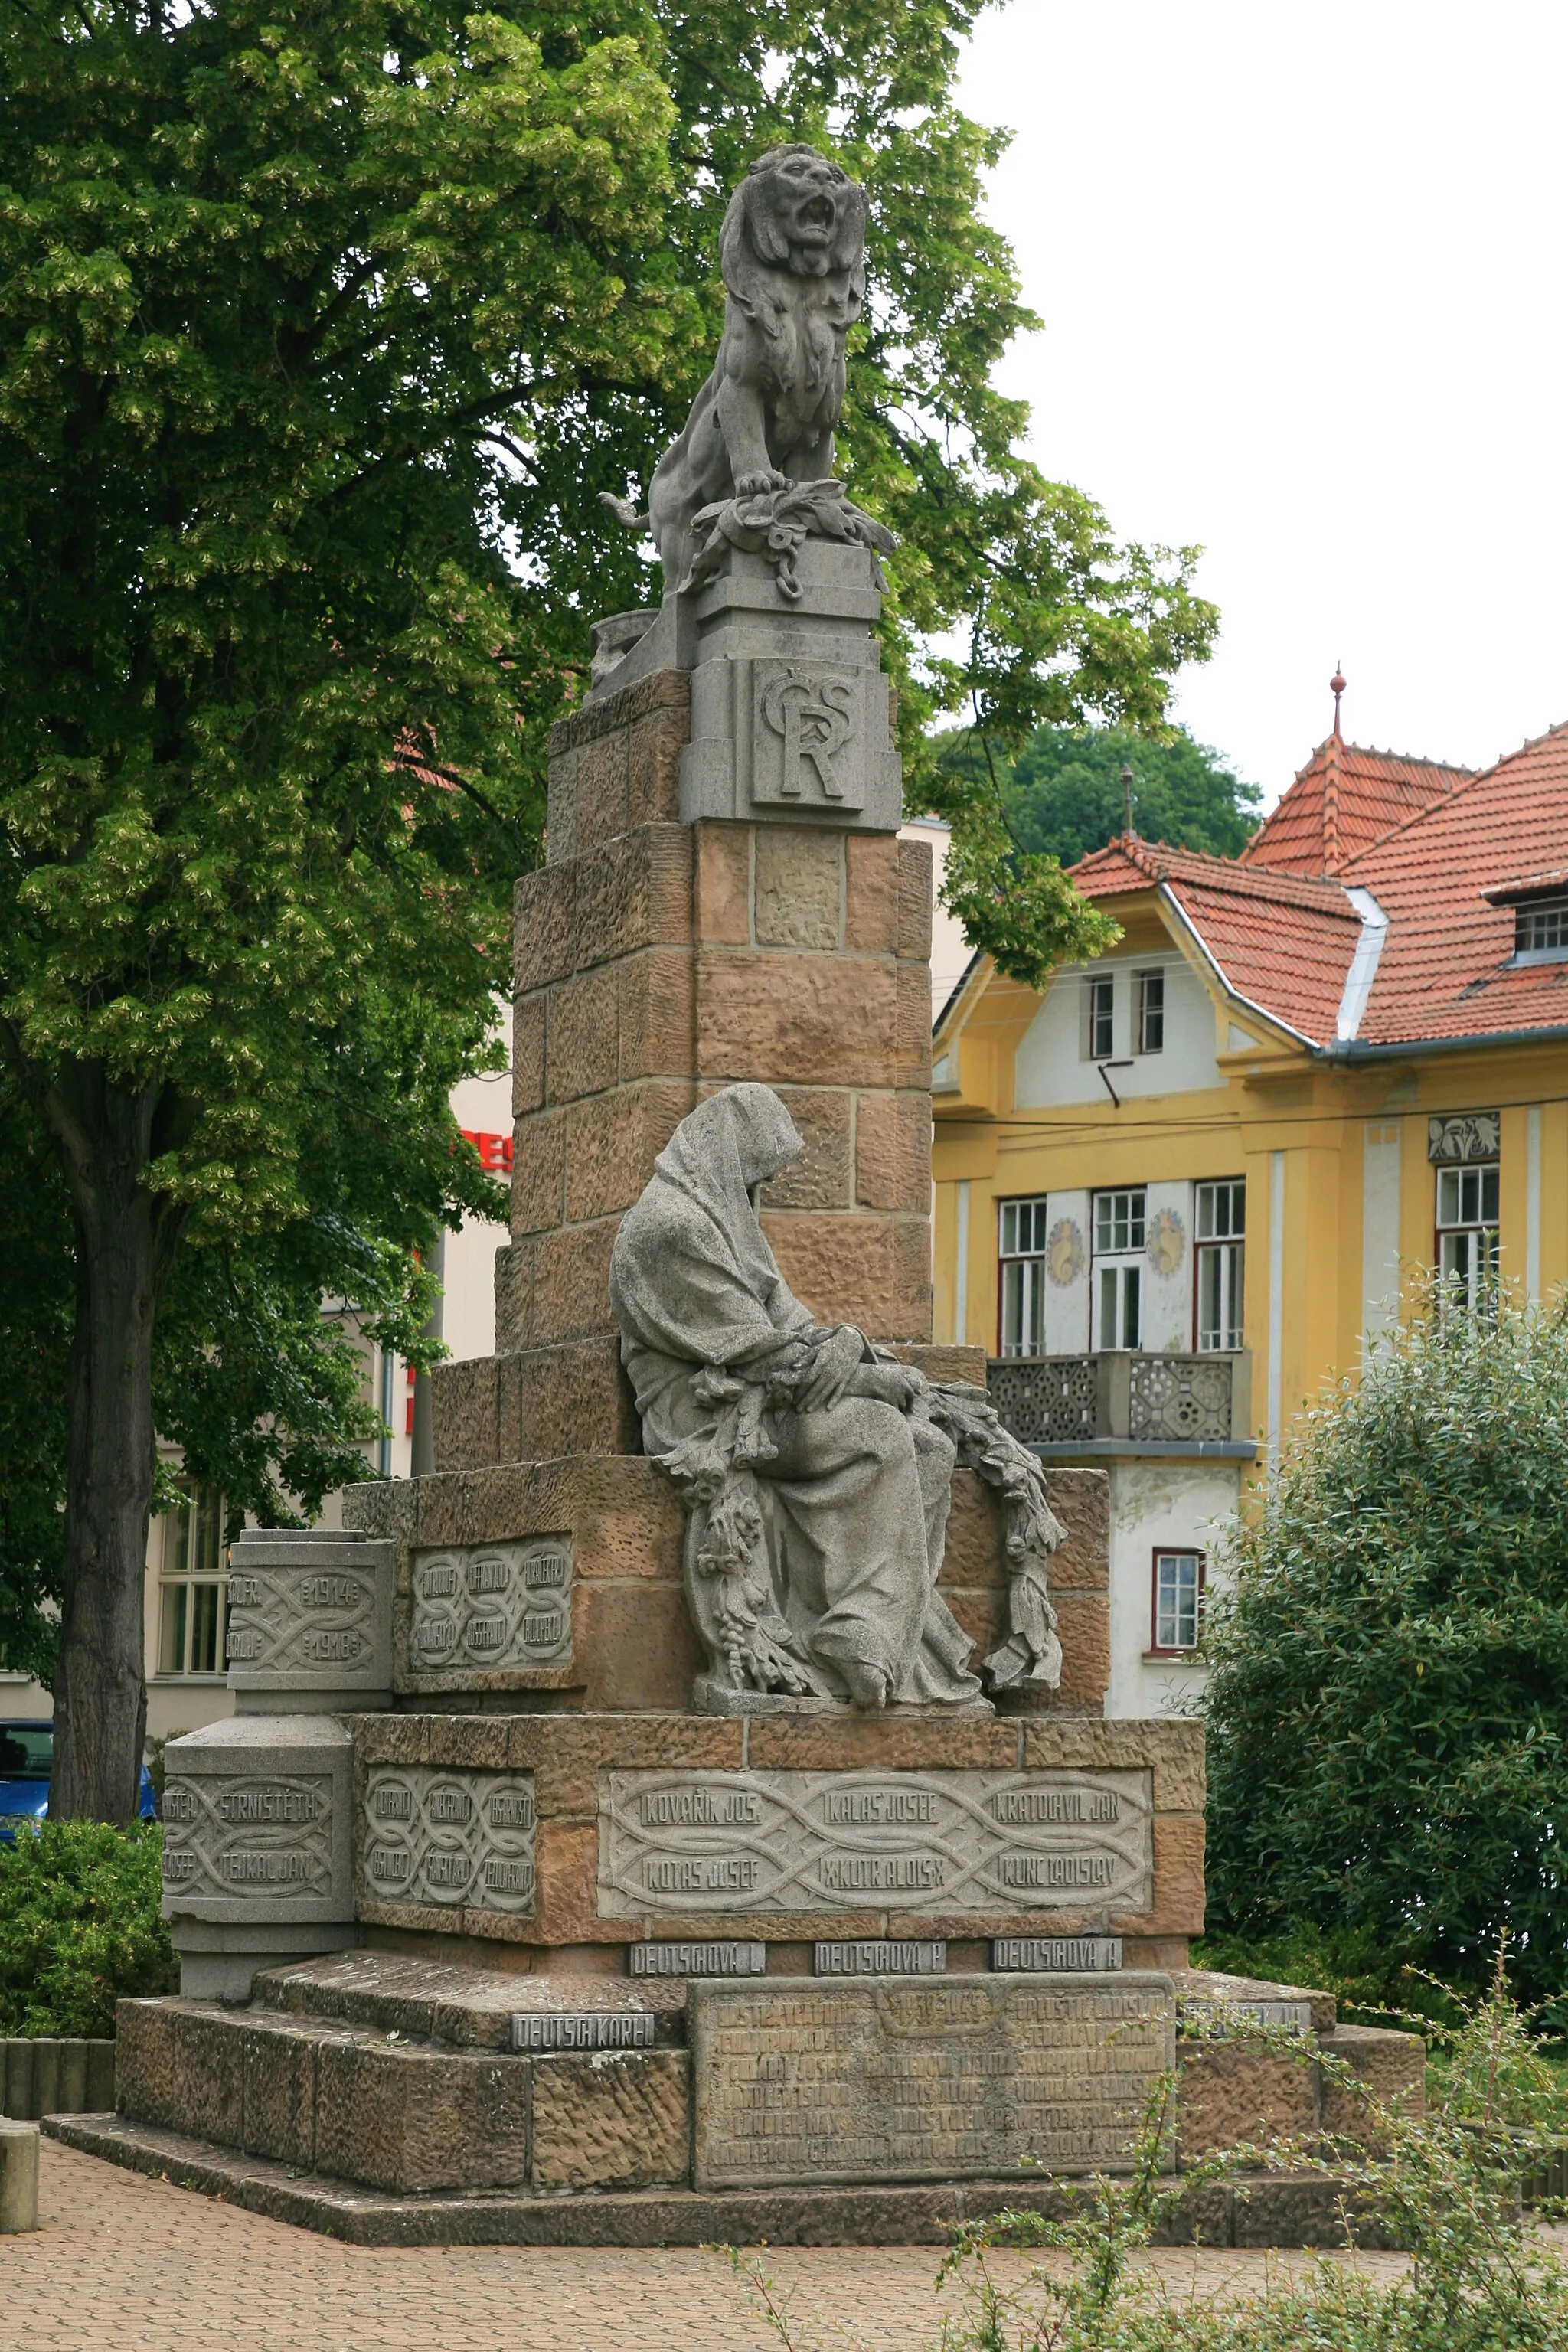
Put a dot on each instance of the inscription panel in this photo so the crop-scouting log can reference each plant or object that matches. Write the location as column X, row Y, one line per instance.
column 259, row 1838
column 308, row 1613
column 481, row 1606
column 448, row 1838
column 958, row 2078
column 941, row 1841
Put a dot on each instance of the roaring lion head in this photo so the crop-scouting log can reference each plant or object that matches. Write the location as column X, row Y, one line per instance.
column 795, row 210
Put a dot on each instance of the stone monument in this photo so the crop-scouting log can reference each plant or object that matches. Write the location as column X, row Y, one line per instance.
column 696, row 1795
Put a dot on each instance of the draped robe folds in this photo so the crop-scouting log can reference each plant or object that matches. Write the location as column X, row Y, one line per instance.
column 857, row 1493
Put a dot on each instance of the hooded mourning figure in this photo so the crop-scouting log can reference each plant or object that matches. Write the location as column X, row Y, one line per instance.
column 853, row 1489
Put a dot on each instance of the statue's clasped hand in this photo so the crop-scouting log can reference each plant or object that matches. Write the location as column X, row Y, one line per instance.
column 833, row 1367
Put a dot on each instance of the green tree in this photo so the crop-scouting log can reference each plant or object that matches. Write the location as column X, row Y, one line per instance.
column 1064, row 794
column 1388, row 1713
column 270, row 281
column 319, row 333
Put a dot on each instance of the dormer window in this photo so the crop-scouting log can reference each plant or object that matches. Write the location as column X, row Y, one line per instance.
column 1539, row 905
column 1542, row 930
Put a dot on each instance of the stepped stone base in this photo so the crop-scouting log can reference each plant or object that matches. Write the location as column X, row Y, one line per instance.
column 1257, row 2209
column 378, row 2098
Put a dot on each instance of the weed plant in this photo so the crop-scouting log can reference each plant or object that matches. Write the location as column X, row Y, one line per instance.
column 1446, row 2185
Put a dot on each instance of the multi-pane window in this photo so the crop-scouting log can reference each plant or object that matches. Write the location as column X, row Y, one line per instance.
column 1468, row 1231
column 1221, row 1249
column 192, row 1588
column 1151, row 1012
column 1022, row 1251
column 1542, row 930
column 1119, row 1239
column 1178, row 1600
column 1099, row 1018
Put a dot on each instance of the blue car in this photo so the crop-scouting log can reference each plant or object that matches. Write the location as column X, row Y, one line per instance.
column 26, row 1759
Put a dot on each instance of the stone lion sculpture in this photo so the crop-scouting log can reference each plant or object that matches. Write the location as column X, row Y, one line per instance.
column 793, row 254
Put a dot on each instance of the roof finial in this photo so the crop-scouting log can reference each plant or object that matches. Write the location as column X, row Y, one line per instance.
column 1336, row 688
column 1127, row 792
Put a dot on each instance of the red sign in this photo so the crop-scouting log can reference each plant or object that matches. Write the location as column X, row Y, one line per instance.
column 494, row 1151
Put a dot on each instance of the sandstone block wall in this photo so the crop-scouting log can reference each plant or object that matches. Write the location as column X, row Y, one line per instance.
column 657, row 961
column 633, row 1646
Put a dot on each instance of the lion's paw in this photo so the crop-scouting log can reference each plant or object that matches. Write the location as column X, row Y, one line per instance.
column 755, row 486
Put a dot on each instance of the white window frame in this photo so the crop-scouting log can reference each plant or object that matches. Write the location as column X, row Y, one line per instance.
column 1541, row 932
column 1468, row 1196
column 1021, row 1276
column 1099, row 1007
column 1220, row 1243
column 1118, row 1220
column 1151, row 1009
column 1185, row 1600
column 192, row 1589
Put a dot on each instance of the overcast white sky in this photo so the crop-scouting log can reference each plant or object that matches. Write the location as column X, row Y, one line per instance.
column 1301, row 275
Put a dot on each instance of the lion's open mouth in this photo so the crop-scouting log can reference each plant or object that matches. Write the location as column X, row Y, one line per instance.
column 816, row 213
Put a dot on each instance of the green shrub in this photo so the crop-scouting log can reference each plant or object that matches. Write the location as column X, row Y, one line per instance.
column 1388, row 1711
column 80, row 1925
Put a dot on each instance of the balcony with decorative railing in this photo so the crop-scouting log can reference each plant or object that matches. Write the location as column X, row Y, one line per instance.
column 1127, row 1403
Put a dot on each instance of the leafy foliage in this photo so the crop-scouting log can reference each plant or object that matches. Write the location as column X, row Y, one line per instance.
column 1064, row 793
column 1387, row 1718
column 80, row 1927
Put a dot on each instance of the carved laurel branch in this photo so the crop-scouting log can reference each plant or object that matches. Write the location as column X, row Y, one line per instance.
column 777, row 523
column 728, row 1583
column 1031, row 1653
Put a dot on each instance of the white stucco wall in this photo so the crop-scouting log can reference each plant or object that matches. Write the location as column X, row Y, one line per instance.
column 1050, row 1066
column 1185, row 1505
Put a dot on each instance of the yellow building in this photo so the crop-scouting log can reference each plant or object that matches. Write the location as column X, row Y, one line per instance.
column 1180, row 1192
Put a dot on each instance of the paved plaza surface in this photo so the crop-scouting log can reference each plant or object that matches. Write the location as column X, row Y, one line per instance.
column 124, row 2264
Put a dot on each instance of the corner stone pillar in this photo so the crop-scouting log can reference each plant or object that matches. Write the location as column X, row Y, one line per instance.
column 258, row 1808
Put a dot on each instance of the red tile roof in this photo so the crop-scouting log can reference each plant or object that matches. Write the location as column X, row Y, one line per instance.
column 1279, row 942
column 1446, row 967
column 1285, row 942
column 1345, row 798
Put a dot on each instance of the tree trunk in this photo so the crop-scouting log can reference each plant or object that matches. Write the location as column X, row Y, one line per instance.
column 125, row 1239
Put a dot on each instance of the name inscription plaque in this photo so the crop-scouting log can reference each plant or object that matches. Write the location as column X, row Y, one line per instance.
column 448, row 1839
column 258, row 1839
column 310, row 1619
column 721, row 1960
column 928, row 1841
column 481, row 1606
column 1042, row 1952
column 957, row 2078
column 582, row 2029
column 875, row 1957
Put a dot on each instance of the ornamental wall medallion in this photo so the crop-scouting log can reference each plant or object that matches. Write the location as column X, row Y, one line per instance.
column 1167, row 1243
column 1064, row 1252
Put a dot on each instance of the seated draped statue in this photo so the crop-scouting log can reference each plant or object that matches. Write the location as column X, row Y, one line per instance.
column 816, row 1469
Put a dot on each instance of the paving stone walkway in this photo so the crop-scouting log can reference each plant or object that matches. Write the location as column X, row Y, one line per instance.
column 124, row 2264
